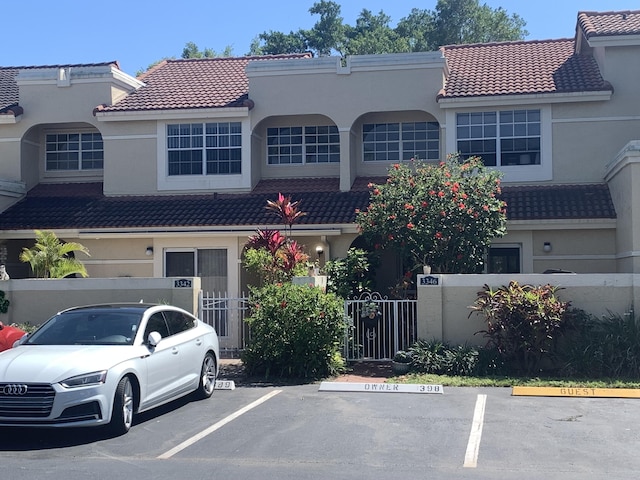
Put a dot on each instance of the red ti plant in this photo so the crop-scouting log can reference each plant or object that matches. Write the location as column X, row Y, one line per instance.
column 285, row 209
column 272, row 240
column 273, row 256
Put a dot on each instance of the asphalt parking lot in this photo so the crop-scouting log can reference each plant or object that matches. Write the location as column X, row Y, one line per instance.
column 299, row 432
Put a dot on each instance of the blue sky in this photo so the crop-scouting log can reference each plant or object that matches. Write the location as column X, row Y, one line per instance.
column 137, row 33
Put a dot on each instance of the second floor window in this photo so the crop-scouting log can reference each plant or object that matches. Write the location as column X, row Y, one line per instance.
column 74, row 151
column 204, row 148
column 298, row 145
column 392, row 142
column 505, row 138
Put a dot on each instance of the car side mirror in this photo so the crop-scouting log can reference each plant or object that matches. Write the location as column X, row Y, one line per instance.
column 154, row 339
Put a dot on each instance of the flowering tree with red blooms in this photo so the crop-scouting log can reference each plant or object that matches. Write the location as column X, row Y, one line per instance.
column 271, row 255
column 443, row 215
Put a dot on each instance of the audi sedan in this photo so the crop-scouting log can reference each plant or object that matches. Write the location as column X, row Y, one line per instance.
column 103, row 364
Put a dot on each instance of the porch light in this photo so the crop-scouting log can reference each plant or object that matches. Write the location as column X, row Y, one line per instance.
column 547, row 247
column 149, row 251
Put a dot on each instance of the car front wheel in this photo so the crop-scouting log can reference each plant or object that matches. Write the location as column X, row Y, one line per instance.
column 208, row 374
column 123, row 406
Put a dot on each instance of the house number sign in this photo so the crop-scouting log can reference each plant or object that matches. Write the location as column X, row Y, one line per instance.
column 428, row 280
column 182, row 283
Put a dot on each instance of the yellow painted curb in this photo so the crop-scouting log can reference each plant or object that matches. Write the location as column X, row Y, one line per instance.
column 576, row 392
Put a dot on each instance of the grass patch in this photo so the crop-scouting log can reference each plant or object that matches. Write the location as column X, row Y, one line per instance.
column 506, row 381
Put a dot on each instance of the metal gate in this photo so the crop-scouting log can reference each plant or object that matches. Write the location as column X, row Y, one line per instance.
column 226, row 315
column 379, row 327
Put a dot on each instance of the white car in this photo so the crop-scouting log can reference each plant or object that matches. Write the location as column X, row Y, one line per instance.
column 102, row 364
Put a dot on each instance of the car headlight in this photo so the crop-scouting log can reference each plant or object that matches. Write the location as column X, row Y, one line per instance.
column 93, row 378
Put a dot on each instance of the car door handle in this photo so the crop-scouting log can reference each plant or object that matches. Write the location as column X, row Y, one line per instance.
column 174, row 351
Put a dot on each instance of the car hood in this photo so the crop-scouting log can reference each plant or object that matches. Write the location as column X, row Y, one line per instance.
column 53, row 363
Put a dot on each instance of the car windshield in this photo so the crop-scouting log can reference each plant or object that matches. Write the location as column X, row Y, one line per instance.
column 89, row 327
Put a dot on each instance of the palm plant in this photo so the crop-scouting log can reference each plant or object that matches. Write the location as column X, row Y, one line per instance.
column 51, row 258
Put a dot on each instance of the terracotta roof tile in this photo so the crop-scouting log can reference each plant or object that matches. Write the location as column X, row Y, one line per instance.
column 553, row 202
column 8, row 88
column 78, row 206
column 513, row 68
column 294, row 185
column 193, row 83
column 601, row 24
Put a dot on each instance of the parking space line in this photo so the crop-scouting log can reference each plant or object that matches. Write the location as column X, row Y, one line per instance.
column 473, row 446
column 216, row 426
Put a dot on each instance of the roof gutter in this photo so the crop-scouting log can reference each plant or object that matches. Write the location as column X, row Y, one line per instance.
column 524, row 99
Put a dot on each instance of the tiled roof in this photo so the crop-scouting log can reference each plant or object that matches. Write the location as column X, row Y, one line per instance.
column 193, row 83
column 295, row 185
column 8, row 88
column 82, row 206
column 553, row 202
column 9, row 94
column 602, row 24
column 512, row 68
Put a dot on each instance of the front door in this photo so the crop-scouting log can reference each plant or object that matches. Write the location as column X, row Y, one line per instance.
column 210, row 264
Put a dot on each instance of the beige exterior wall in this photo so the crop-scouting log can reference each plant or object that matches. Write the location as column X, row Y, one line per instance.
column 380, row 88
column 400, row 83
column 117, row 257
column 623, row 177
column 34, row 301
column 10, row 153
column 131, row 157
column 443, row 309
column 589, row 135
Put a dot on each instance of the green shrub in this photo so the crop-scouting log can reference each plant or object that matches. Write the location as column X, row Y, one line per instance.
column 402, row 356
column 523, row 322
column 297, row 331
column 350, row 276
column 607, row 347
column 490, row 363
column 441, row 358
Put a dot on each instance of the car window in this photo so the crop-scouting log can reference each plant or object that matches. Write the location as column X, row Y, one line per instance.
column 88, row 327
column 158, row 324
column 178, row 321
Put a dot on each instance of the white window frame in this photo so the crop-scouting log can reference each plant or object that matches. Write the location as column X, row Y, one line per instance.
column 493, row 127
column 432, row 154
column 208, row 140
column 79, row 150
column 202, row 182
column 515, row 173
column 297, row 147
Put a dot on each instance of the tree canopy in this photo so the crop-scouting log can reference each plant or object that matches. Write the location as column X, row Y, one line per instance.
column 422, row 30
column 443, row 215
column 452, row 22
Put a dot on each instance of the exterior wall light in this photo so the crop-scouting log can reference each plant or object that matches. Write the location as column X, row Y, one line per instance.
column 546, row 247
column 149, row 251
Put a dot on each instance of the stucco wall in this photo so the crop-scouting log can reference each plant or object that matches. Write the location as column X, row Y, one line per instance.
column 34, row 301
column 443, row 309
